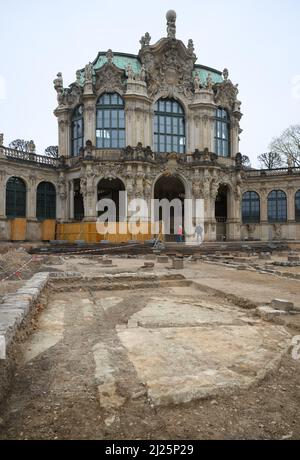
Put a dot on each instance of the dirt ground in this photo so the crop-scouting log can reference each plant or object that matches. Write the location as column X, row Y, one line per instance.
column 55, row 394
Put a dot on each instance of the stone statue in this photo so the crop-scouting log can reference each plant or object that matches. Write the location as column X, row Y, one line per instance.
column 171, row 23
column 59, row 87
column 143, row 73
column 197, row 83
column 209, row 82
column 191, row 47
column 225, row 74
column 129, row 72
column 31, row 147
column 145, row 40
column 88, row 73
column 109, row 56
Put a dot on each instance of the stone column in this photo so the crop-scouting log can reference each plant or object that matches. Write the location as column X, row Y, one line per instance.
column 291, row 204
column 2, row 194
column 71, row 199
column 31, row 198
column 89, row 119
column 64, row 135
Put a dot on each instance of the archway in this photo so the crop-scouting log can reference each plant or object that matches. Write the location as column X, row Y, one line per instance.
column 172, row 190
column 111, row 190
column 78, row 201
column 221, row 212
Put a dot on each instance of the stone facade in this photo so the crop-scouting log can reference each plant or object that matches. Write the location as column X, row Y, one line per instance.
column 166, row 70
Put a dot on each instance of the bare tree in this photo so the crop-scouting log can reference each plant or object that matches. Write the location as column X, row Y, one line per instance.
column 246, row 162
column 52, row 151
column 271, row 160
column 288, row 146
column 20, row 144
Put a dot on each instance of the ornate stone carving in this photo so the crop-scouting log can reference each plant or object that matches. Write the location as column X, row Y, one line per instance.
column 197, row 83
column 88, row 73
column 171, row 23
column 62, row 187
column 110, row 56
column 169, row 68
column 110, row 78
column 209, row 82
column 145, row 40
column 59, row 87
column 277, row 231
column 226, row 92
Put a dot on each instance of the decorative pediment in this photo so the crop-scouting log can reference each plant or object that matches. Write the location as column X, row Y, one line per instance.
column 110, row 79
column 226, row 93
column 169, row 67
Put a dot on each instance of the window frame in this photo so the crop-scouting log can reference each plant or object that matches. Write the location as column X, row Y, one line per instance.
column 297, row 208
column 77, row 130
column 16, row 198
column 222, row 144
column 251, row 199
column 111, row 107
column 46, row 201
column 275, row 202
column 169, row 127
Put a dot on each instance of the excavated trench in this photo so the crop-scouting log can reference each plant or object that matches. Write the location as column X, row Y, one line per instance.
column 113, row 356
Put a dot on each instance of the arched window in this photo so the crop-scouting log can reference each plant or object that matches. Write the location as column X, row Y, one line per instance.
column 46, row 201
column 251, row 208
column 15, row 198
column 169, row 127
column 277, row 206
column 110, row 125
column 77, row 131
column 222, row 133
column 297, row 206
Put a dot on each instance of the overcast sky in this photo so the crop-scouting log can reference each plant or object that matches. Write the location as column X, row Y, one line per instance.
column 258, row 40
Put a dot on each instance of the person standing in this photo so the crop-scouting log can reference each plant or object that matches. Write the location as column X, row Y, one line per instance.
column 180, row 234
column 199, row 233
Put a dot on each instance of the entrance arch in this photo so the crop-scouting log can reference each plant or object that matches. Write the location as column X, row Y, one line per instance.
column 222, row 212
column 110, row 189
column 170, row 188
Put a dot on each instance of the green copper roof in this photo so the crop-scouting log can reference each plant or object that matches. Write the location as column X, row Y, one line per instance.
column 120, row 60
column 203, row 74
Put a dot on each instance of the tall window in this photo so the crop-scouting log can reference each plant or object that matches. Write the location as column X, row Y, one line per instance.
column 277, row 206
column 15, row 198
column 251, row 208
column 169, row 127
column 46, row 201
column 297, row 206
column 77, row 131
column 222, row 133
column 110, row 127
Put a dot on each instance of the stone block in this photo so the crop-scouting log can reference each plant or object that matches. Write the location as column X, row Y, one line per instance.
column 285, row 305
column 178, row 264
column 107, row 262
column 269, row 313
column 162, row 259
column 148, row 265
column 150, row 257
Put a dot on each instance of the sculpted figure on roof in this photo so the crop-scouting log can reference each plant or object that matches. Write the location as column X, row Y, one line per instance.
column 171, row 23
column 145, row 40
column 88, row 73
